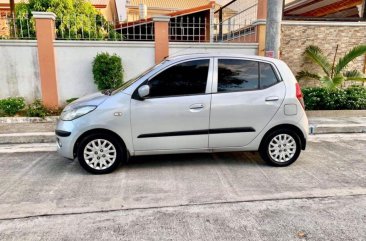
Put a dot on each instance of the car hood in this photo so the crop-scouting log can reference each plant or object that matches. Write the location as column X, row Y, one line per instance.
column 92, row 99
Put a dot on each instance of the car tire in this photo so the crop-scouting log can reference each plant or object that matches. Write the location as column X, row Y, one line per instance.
column 281, row 147
column 100, row 153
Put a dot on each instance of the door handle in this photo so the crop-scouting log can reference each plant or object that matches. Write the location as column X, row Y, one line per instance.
column 196, row 107
column 272, row 98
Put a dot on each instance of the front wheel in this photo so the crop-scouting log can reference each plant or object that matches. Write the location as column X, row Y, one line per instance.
column 281, row 147
column 100, row 153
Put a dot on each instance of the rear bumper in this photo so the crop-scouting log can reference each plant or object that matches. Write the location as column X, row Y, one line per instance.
column 303, row 124
column 303, row 144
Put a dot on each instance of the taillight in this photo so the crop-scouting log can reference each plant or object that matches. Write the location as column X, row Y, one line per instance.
column 299, row 95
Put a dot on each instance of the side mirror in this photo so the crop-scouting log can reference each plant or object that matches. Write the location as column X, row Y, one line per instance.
column 144, row 91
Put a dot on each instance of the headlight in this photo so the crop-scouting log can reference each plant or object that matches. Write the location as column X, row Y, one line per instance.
column 72, row 114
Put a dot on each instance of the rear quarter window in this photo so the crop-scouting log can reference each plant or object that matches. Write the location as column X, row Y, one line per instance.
column 267, row 75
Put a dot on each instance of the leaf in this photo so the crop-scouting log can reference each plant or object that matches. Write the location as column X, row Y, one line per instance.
column 316, row 55
column 327, row 82
column 338, row 80
column 349, row 57
column 361, row 79
column 304, row 74
column 353, row 73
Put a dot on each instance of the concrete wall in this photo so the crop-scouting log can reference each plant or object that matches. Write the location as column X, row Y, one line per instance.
column 19, row 63
column 19, row 72
column 297, row 35
column 74, row 63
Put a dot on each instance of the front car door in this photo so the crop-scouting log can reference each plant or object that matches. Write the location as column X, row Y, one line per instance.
column 248, row 95
column 175, row 116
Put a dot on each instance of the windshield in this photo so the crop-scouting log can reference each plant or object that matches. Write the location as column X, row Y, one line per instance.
column 133, row 80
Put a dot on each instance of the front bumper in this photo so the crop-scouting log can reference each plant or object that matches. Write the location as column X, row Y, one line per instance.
column 66, row 136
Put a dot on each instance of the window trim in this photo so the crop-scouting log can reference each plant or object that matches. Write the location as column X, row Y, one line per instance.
column 216, row 74
column 209, row 81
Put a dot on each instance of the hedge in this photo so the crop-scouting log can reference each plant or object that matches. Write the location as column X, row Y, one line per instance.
column 318, row 98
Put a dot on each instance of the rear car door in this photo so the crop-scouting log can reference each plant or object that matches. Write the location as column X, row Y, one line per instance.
column 175, row 116
column 248, row 94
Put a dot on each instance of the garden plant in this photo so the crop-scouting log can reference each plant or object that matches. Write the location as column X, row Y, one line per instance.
column 335, row 73
column 107, row 71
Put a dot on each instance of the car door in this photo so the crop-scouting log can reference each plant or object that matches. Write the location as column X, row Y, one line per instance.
column 248, row 94
column 175, row 115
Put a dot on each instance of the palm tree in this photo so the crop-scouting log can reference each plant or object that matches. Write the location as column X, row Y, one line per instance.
column 335, row 74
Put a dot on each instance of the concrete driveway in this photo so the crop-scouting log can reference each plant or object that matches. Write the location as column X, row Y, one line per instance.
column 226, row 196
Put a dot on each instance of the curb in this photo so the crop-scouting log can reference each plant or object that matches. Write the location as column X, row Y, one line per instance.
column 335, row 113
column 34, row 147
column 11, row 120
column 24, row 138
column 335, row 128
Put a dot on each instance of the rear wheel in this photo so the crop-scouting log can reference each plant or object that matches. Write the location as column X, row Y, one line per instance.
column 281, row 147
column 100, row 153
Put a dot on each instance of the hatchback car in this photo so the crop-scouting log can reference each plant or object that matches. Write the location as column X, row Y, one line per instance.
column 190, row 104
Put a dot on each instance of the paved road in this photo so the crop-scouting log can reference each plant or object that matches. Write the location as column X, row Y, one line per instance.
column 226, row 196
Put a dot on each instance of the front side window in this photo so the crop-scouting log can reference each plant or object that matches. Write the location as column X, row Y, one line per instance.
column 237, row 75
column 186, row 78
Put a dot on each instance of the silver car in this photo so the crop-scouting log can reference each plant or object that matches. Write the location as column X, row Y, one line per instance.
column 190, row 104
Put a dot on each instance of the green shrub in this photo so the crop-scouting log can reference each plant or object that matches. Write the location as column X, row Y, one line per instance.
column 356, row 98
column 12, row 105
column 352, row 98
column 37, row 109
column 107, row 71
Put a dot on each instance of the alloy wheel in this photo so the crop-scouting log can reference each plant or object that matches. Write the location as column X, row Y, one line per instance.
column 282, row 148
column 100, row 154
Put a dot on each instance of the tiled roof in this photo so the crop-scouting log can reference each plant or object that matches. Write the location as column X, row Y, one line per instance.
column 170, row 4
column 318, row 8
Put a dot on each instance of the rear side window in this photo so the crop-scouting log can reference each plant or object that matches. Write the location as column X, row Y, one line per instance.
column 186, row 78
column 237, row 75
column 267, row 75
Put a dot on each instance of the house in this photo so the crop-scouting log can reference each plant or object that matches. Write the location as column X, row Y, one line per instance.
column 142, row 9
column 137, row 9
column 191, row 20
column 112, row 10
column 187, row 25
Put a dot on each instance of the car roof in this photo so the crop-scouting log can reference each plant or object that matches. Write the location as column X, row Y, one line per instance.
column 222, row 55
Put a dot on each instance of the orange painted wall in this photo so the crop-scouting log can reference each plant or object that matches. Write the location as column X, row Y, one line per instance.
column 161, row 41
column 262, row 9
column 47, row 61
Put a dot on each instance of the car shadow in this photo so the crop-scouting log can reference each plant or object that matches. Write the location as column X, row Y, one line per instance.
column 173, row 160
column 199, row 159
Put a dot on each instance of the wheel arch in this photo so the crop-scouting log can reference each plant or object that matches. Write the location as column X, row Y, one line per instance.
column 294, row 128
column 100, row 131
